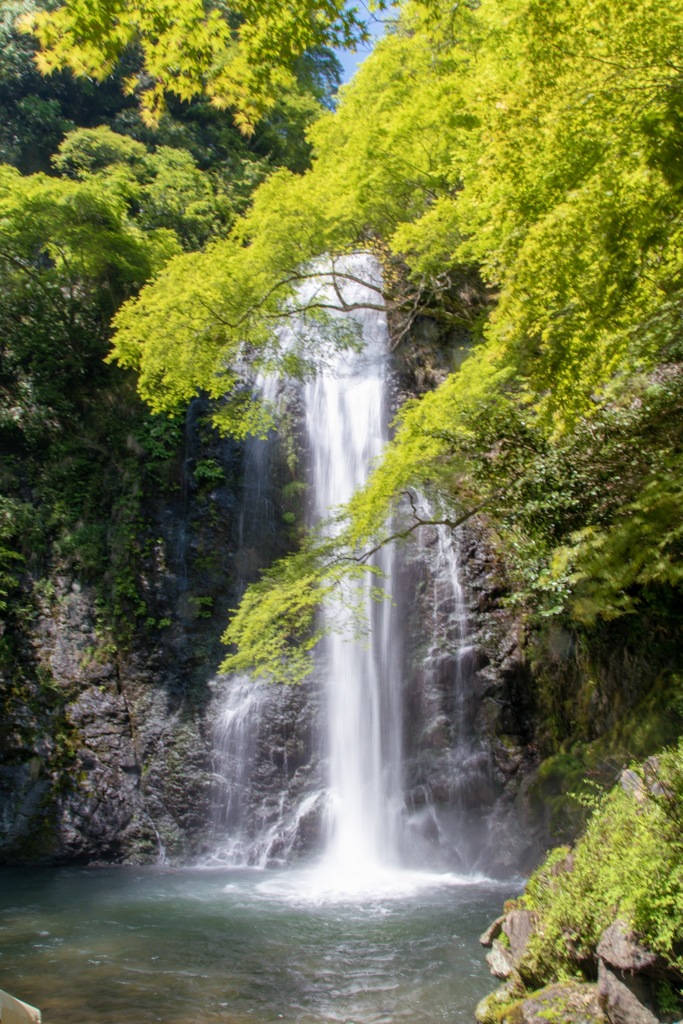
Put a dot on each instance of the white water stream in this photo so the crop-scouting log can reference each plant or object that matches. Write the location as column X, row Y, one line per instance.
column 297, row 769
column 346, row 424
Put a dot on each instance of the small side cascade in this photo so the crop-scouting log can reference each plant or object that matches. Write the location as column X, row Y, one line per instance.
column 234, row 741
column 451, row 778
column 261, row 734
column 264, row 805
column 470, row 759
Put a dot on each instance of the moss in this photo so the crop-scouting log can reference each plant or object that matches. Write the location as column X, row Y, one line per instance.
column 554, row 791
column 617, row 684
column 503, row 1006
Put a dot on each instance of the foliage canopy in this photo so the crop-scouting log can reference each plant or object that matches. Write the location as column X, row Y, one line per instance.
column 536, row 144
column 240, row 55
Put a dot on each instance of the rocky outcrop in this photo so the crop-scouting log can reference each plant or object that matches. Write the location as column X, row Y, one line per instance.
column 627, row 978
column 106, row 762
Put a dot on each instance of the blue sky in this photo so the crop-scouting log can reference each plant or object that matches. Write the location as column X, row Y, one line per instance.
column 350, row 61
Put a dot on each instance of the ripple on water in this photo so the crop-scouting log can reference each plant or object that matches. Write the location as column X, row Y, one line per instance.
column 132, row 946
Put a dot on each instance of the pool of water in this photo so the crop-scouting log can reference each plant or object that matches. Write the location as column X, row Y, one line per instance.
column 132, row 945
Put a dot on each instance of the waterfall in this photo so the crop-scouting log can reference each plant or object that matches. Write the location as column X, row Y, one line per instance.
column 326, row 766
column 346, row 413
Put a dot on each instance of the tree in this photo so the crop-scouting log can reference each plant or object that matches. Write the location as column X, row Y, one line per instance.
column 533, row 143
column 241, row 56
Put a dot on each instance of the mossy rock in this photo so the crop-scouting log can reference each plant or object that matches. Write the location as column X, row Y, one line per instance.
column 503, row 1006
column 567, row 1002
column 553, row 792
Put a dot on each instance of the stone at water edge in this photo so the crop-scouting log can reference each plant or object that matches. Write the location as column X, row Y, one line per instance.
column 519, row 926
column 568, row 1002
column 500, row 961
column 502, row 1005
column 492, row 932
column 13, row 1011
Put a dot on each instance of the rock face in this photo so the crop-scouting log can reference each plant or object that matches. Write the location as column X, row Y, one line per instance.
column 106, row 748
column 99, row 747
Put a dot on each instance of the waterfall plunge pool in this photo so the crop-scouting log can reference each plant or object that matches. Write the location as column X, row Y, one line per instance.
column 131, row 945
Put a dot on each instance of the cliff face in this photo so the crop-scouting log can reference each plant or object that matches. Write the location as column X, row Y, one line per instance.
column 112, row 729
column 113, row 722
column 105, row 754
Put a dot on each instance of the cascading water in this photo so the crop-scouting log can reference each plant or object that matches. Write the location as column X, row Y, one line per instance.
column 346, row 422
column 257, row 809
column 300, row 770
column 467, row 761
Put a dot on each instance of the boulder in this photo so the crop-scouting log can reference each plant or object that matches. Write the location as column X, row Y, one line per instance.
column 519, row 926
column 618, row 949
column 492, row 932
column 625, row 998
column 567, row 1002
column 501, row 1006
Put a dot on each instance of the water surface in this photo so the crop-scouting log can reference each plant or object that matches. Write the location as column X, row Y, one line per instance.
column 132, row 945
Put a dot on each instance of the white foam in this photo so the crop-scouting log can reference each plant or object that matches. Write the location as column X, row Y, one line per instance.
column 325, row 884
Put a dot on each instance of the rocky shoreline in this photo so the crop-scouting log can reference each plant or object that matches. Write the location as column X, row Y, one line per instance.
column 624, row 991
column 575, row 948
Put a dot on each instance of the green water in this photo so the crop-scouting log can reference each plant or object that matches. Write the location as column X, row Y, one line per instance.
column 131, row 945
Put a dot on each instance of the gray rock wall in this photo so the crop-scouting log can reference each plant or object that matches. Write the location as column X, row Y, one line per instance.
column 106, row 751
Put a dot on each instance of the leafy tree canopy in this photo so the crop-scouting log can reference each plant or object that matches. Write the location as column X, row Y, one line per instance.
column 539, row 143
column 241, row 56
column 164, row 188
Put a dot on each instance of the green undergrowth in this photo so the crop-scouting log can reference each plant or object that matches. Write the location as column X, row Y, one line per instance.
column 628, row 864
column 581, row 766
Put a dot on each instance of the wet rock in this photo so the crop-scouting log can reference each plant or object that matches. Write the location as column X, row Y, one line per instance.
column 437, row 733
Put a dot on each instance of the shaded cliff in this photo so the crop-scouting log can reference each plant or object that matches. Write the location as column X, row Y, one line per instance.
column 105, row 754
